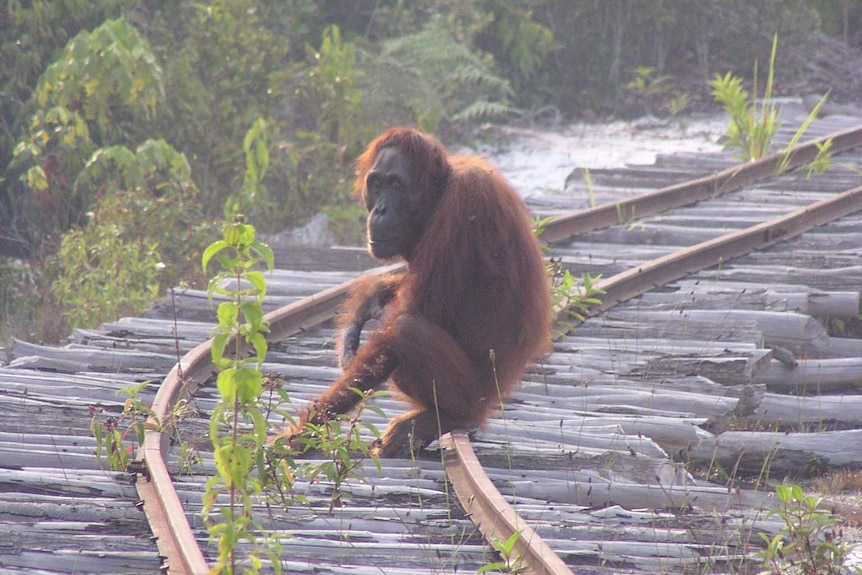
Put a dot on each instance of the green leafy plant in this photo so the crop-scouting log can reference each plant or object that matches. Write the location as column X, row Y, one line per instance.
column 822, row 161
column 512, row 562
column 31, row 36
column 573, row 297
column 520, row 42
column 118, row 262
column 811, row 542
column 678, row 103
column 651, row 92
column 226, row 65
column 439, row 79
column 49, row 159
column 341, row 442
column 646, row 83
column 313, row 161
column 104, row 89
column 570, row 297
column 253, row 196
column 247, row 467
column 331, row 92
column 103, row 274
column 123, row 83
column 118, row 436
column 752, row 127
column 237, row 425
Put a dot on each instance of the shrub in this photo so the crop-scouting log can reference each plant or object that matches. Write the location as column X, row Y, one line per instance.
column 141, row 236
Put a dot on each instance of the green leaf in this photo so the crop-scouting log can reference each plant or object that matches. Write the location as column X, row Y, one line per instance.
column 242, row 384
column 495, row 566
column 259, row 426
column 239, row 235
column 227, row 314
column 506, row 547
column 257, row 281
column 219, row 342
column 233, row 463
column 37, row 179
column 260, row 346
column 215, row 419
column 248, row 383
column 264, row 252
column 789, row 492
column 211, row 250
column 246, row 237
column 226, row 384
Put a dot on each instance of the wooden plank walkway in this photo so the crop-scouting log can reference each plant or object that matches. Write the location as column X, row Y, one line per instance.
column 755, row 360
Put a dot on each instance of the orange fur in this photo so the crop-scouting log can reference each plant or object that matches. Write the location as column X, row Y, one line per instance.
column 472, row 310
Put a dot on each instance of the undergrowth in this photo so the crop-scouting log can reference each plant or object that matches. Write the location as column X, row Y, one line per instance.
column 811, row 541
column 754, row 125
column 118, row 436
column 572, row 298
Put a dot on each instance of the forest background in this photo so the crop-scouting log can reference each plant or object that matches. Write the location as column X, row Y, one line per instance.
column 131, row 129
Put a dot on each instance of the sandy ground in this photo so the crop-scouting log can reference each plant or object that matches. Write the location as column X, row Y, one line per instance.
column 537, row 161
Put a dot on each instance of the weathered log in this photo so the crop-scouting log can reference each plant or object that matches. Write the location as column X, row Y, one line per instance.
column 618, row 398
column 807, row 411
column 67, row 556
column 814, row 376
column 66, row 482
column 847, row 277
column 596, row 436
column 600, row 493
column 730, row 368
column 793, row 454
column 30, row 456
column 799, row 333
column 705, row 294
column 843, row 347
column 710, row 333
column 76, row 358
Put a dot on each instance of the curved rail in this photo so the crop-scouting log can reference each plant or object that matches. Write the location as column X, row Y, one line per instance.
column 491, row 513
column 174, row 536
column 159, row 499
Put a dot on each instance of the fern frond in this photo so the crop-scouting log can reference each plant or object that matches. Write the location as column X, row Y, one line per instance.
column 483, row 110
column 434, row 76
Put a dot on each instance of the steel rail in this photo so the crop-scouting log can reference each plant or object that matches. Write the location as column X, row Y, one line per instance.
column 489, row 511
column 678, row 264
column 159, row 500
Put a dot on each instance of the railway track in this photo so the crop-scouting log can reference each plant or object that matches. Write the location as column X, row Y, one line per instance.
column 494, row 517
